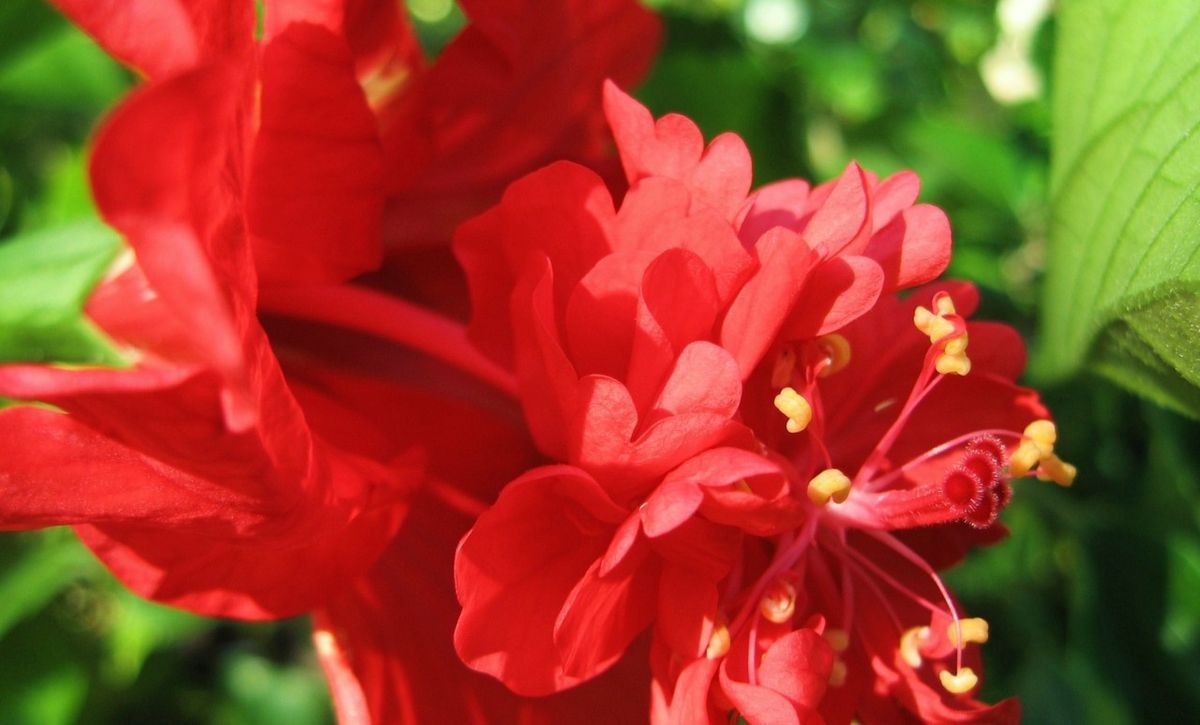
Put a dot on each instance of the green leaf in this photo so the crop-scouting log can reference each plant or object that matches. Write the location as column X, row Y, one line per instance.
column 1123, row 270
column 137, row 628
column 257, row 690
column 64, row 71
column 47, row 683
column 45, row 279
column 39, row 574
column 24, row 23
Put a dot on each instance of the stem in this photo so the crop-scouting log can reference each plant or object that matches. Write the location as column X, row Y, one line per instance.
column 392, row 319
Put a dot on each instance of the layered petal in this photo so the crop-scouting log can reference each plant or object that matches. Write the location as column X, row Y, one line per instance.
column 314, row 200
column 516, row 568
column 161, row 37
column 519, row 87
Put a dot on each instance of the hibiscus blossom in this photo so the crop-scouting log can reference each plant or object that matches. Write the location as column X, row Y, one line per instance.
column 704, row 363
column 223, row 471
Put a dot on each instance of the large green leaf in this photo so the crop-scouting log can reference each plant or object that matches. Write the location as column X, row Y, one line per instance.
column 1123, row 281
column 45, row 278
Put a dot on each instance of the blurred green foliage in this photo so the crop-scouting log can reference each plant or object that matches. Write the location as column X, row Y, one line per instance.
column 1095, row 600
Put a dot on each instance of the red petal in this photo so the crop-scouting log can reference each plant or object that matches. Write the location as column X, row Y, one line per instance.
column 781, row 204
column 601, row 313
column 491, row 281
column 518, row 88
column 914, row 248
column 279, row 14
column 705, row 549
column 395, row 629
column 605, row 445
column 315, row 197
column 627, row 546
column 606, row 418
column 678, row 305
column 762, row 305
column 758, row 704
column 687, row 608
column 842, row 223
column 160, row 37
column 548, row 382
column 94, row 479
column 516, row 568
column 896, row 194
column 654, row 216
column 837, row 292
column 672, row 503
column 167, row 141
column 601, row 618
column 704, row 380
column 718, row 176
column 563, row 212
column 752, row 513
column 797, row 666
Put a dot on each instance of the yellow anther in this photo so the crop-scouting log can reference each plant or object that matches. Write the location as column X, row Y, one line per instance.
column 1023, row 459
column 829, row 484
column 742, row 486
column 718, row 642
column 910, row 645
column 838, row 639
column 953, row 364
column 953, row 360
column 1057, row 470
column 956, row 346
column 837, row 674
column 974, row 631
column 778, row 603
column 785, row 366
column 792, row 404
column 1036, row 447
column 837, row 348
column 935, row 326
column 960, row 682
column 1044, row 435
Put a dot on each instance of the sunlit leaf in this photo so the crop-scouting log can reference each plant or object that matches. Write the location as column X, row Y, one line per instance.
column 1123, row 286
column 45, row 278
column 137, row 628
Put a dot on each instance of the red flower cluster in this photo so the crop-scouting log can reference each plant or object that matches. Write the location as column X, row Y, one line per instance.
column 705, row 364
column 742, row 456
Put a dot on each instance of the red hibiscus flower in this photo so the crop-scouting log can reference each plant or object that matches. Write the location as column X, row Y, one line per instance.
column 200, row 475
column 248, row 177
column 676, row 355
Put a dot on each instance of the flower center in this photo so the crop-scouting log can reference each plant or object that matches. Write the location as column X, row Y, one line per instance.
column 972, row 486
